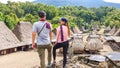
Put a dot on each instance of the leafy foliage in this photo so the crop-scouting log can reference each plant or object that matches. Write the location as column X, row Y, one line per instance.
column 13, row 12
column 1, row 16
column 11, row 20
column 113, row 18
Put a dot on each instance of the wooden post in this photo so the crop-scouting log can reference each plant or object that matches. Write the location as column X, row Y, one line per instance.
column 18, row 48
column 0, row 52
column 27, row 47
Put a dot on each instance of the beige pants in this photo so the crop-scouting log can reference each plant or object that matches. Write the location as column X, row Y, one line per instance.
column 41, row 52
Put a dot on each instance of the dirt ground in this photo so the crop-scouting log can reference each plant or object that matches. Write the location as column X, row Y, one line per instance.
column 27, row 59
column 30, row 59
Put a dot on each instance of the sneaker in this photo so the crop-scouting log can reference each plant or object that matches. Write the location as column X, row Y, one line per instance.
column 49, row 65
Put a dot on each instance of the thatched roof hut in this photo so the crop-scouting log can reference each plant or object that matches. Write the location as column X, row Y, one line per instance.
column 78, row 44
column 83, row 29
column 108, row 28
column 117, row 33
column 94, row 43
column 113, row 30
column 23, row 31
column 101, row 31
column 95, row 27
column 7, row 38
column 76, row 30
column 71, row 32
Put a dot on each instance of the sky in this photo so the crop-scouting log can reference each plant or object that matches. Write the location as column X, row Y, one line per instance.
column 112, row 1
column 5, row 1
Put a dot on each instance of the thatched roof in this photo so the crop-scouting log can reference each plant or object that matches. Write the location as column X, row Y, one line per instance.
column 83, row 29
column 76, row 30
column 94, row 43
column 108, row 28
column 78, row 45
column 95, row 27
column 113, row 30
column 23, row 31
column 104, row 27
column 117, row 33
column 7, row 38
column 71, row 32
column 101, row 31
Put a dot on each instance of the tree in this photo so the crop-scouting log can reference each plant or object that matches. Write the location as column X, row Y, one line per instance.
column 55, row 21
column 1, row 16
column 51, row 12
column 12, row 12
column 14, row 18
column 31, row 18
column 11, row 21
column 113, row 18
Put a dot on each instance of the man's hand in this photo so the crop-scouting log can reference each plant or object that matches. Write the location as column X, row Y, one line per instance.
column 34, row 46
column 55, row 44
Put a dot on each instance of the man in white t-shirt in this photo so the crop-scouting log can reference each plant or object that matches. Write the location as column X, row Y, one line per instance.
column 43, row 30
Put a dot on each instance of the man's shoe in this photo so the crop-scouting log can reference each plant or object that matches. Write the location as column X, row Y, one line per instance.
column 49, row 65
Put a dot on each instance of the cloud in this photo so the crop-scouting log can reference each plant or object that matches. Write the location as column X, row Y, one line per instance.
column 5, row 1
column 112, row 1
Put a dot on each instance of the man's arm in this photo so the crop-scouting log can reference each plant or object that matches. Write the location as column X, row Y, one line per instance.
column 50, row 32
column 50, row 35
column 33, row 39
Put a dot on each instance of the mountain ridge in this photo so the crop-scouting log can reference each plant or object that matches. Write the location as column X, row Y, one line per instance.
column 85, row 3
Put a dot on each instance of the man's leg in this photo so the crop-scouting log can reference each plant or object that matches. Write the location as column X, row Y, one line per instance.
column 41, row 52
column 49, row 49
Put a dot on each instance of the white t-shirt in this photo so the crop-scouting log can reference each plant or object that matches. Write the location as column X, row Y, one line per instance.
column 43, row 38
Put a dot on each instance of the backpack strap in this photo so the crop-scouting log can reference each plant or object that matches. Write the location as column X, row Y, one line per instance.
column 41, row 29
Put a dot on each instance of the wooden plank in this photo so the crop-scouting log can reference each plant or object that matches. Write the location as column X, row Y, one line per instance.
column 14, row 46
column 113, row 59
column 98, row 58
column 116, row 38
column 0, row 52
column 109, row 38
column 115, row 56
column 94, row 36
column 5, row 52
column 108, row 34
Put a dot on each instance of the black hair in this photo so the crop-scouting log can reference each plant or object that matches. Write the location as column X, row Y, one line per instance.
column 42, row 14
column 64, row 19
column 66, row 24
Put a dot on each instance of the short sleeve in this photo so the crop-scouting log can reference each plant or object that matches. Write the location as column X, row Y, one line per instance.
column 34, row 28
